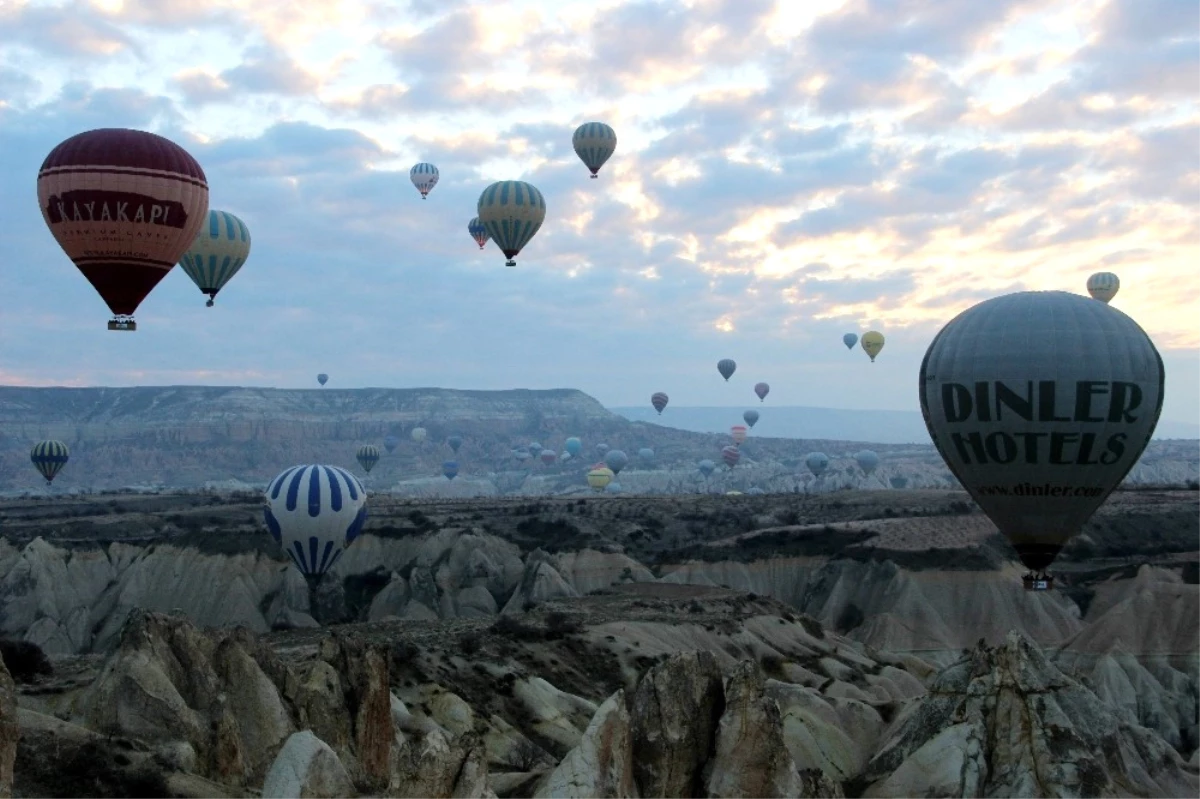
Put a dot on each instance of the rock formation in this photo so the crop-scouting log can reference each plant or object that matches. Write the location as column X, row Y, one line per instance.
column 9, row 731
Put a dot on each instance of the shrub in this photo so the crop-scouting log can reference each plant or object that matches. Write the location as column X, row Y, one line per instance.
column 470, row 643
column 25, row 660
column 559, row 624
column 510, row 627
column 813, row 627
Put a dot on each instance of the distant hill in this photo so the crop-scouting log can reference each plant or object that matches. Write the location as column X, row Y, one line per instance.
column 793, row 421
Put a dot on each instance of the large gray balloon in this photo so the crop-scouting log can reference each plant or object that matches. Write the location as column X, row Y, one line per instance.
column 726, row 367
column 817, row 463
column 867, row 460
column 1040, row 403
column 616, row 460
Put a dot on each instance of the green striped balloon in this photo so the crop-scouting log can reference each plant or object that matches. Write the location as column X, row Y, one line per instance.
column 513, row 212
column 220, row 249
column 594, row 143
column 49, row 457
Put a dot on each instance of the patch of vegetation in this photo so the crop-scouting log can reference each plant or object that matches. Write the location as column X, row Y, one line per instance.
column 470, row 643
column 560, row 625
column 828, row 542
column 93, row 768
column 772, row 666
column 514, row 628
column 812, row 626
column 25, row 660
column 361, row 589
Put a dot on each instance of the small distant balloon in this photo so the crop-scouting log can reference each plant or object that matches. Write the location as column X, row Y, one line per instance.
column 595, row 142
column 368, row 456
column 549, row 456
column 659, row 400
column 574, row 446
column 750, row 417
column 646, row 455
column 455, row 442
column 706, row 467
column 49, row 457
column 872, row 343
column 599, row 476
column 850, row 339
column 726, row 366
column 478, row 232
column 424, row 177
column 738, row 433
column 322, row 378
column 535, row 448
column 817, row 463
column 616, row 460
column 601, row 449
column 1103, row 286
column 731, row 455
column 450, row 469
column 867, row 460
column 390, row 443
column 418, row 434
column 762, row 390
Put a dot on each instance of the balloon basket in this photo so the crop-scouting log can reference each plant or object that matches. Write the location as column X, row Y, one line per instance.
column 510, row 263
column 1038, row 582
column 208, row 304
column 595, row 176
column 122, row 323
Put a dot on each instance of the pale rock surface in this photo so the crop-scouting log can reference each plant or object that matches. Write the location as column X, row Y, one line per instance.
column 559, row 716
column 751, row 757
column 837, row 736
column 677, row 706
column 9, row 730
column 539, row 583
column 306, row 768
column 602, row 764
column 588, row 570
column 1008, row 722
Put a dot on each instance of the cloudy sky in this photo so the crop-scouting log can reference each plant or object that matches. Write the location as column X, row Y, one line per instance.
column 787, row 172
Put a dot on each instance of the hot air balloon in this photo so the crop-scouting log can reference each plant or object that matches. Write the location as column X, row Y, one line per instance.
column 522, row 454
column 1040, row 403
column 549, row 456
column 49, row 457
column 1103, row 286
column 731, row 455
column 601, row 449
column 850, row 339
column 322, row 378
column 450, row 469
column 594, row 143
column 455, row 442
column 424, row 177
column 762, row 390
column 418, row 434
column 599, row 476
column 616, row 460
column 390, row 443
column 738, row 433
column 646, row 455
column 220, row 249
column 124, row 205
column 564, row 456
column 368, row 456
column 659, row 400
column 513, row 212
column 315, row 513
column 867, row 460
column 726, row 366
column 817, row 463
column 613, row 488
column 535, row 449
column 574, row 446
column 750, row 417
column 478, row 232
column 706, row 467
column 872, row 343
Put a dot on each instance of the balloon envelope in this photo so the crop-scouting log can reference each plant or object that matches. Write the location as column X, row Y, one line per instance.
column 390, row 443
column 817, row 463
column 594, row 142
column 599, row 477
column 738, row 433
column 549, row 456
column 424, row 177
column 706, row 467
column 731, row 455
column 850, row 339
column 1040, row 403
column 535, row 448
column 750, row 417
column 726, row 366
column 574, row 446
column 455, row 442
column 616, row 460
column 478, row 232
column 646, row 455
column 872, row 343
column 49, row 457
column 659, row 400
column 867, row 460
column 322, row 378
column 601, row 449
column 1103, row 286
column 449, row 469
column 762, row 390
column 315, row 513
column 220, row 249
column 513, row 212
column 367, row 456
column 418, row 434
column 124, row 205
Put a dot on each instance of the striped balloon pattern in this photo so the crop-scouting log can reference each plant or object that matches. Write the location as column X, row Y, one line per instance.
column 49, row 457
column 424, row 177
column 731, row 455
column 478, row 232
column 659, row 401
column 315, row 512
column 368, row 456
column 738, row 433
column 513, row 212
column 726, row 366
column 220, row 249
column 762, row 390
column 594, row 143
column 1103, row 286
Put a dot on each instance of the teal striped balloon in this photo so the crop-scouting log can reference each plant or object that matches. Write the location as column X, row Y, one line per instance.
column 49, row 457
column 594, row 143
column 513, row 212
column 220, row 249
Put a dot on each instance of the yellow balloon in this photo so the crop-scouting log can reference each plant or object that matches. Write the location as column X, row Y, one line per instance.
column 599, row 478
column 872, row 343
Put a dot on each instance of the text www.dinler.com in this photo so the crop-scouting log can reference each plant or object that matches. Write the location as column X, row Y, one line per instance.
column 1040, row 490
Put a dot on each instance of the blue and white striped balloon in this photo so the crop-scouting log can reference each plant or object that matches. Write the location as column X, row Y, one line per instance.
column 49, row 457
column 513, row 212
column 218, row 252
column 424, row 177
column 478, row 232
column 315, row 512
column 594, row 143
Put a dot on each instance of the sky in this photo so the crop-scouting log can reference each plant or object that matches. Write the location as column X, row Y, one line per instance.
column 786, row 172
